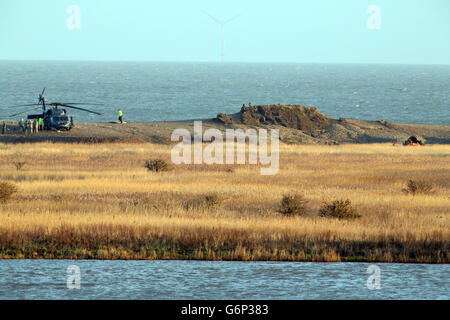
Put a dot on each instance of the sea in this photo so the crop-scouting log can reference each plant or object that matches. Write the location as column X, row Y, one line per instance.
column 167, row 91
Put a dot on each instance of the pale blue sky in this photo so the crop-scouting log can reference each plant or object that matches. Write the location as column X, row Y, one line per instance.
column 412, row 31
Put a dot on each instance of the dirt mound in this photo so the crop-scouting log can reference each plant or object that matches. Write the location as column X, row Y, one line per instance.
column 307, row 119
column 224, row 118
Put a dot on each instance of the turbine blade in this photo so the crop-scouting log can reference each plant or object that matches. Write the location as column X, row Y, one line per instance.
column 213, row 18
column 231, row 19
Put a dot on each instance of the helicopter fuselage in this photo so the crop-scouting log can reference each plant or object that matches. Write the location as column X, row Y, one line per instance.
column 55, row 119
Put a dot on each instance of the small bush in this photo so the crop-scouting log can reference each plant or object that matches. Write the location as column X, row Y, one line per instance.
column 293, row 204
column 418, row 187
column 7, row 191
column 341, row 209
column 210, row 201
column 158, row 165
column 19, row 165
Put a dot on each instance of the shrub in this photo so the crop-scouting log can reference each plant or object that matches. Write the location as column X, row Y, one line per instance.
column 7, row 191
column 158, row 165
column 418, row 187
column 208, row 201
column 293, row 204
column 19, row 165
column 341, row 209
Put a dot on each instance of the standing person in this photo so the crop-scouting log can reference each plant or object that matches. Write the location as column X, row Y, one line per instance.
column 41, row 124
column 22, row 125
column 28, row 126
column 36, row 125
column 120, row 115
column 4, row 127
column 249, row 104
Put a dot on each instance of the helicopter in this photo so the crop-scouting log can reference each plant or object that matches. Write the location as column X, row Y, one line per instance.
column 53, row 114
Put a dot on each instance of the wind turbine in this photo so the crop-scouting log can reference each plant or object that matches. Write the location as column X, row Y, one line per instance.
column 222, row 25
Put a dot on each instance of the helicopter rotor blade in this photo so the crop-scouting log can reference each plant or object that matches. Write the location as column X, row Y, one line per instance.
column 16, row 114
column 87, row 103
column 25, row 105
column 43, row 92
column 78, row 108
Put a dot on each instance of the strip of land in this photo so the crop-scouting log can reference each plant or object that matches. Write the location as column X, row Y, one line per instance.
column 296, row 124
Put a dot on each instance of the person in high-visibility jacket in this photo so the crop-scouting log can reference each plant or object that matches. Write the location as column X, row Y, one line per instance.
column 120, row 115
column 41, row 124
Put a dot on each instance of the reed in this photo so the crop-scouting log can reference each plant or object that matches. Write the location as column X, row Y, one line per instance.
column 97, row 201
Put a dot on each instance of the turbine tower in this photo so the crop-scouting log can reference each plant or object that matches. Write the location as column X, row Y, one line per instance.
column 222, row 25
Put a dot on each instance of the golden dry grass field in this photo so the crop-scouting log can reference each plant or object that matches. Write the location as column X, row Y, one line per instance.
column 99, row 201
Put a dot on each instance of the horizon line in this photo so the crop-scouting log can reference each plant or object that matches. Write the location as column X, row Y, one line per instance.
column 220, row 62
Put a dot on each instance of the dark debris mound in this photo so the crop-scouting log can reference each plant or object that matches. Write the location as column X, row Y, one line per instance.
column 307, row 119
column 224, row 118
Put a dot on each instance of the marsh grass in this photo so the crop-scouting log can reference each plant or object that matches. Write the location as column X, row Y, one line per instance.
column 98, row 201
column 209, row 201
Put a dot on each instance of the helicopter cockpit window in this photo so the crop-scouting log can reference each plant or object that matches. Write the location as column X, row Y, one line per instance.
column 63, row 118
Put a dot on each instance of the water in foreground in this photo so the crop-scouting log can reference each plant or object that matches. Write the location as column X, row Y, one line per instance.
column 170, row 279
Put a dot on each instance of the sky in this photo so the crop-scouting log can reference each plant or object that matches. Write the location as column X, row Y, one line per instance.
column 314, row 31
